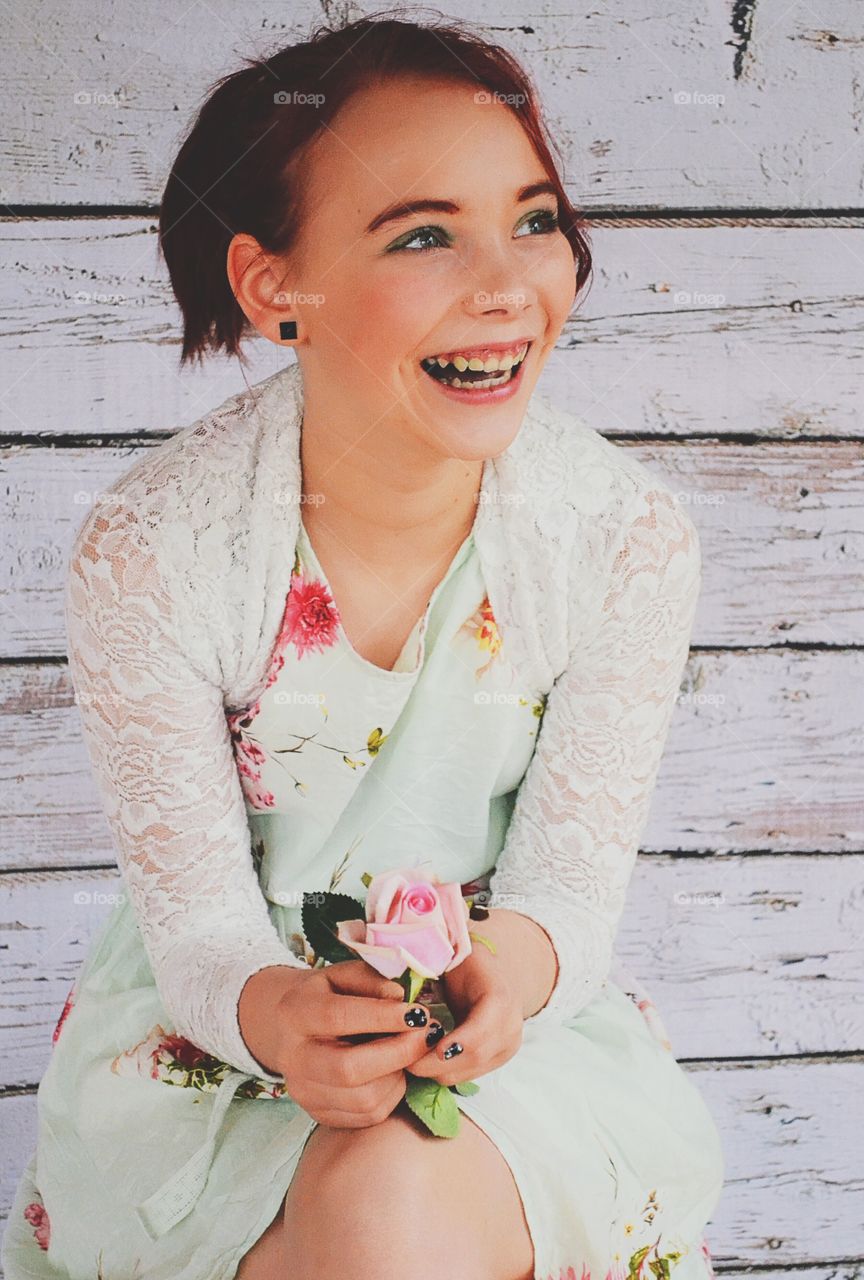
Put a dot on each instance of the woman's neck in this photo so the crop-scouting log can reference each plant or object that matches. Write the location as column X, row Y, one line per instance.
column 398, row 501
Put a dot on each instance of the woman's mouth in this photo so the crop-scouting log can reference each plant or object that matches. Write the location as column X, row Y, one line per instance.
column 477, row 375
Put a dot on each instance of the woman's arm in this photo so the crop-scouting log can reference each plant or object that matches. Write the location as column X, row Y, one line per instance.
column 161, row 755
column 582, row 806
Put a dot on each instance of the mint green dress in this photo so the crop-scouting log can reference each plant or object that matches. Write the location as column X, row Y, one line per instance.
column 155, row 1161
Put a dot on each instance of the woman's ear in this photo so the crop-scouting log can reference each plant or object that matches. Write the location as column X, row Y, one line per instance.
column 258, row 283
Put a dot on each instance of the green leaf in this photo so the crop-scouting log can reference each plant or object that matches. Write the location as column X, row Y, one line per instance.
column 415, row 984
column 366, row 878
column 320, row 914
column 434, row 1105
column 466, row 1088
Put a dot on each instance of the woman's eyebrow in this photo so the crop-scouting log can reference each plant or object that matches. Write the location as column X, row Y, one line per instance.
column 407, row 208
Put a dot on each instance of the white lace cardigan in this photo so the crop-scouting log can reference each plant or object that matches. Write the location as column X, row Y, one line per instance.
column 174, row 598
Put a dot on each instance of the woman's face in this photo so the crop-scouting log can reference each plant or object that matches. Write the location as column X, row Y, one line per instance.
column 380, row 292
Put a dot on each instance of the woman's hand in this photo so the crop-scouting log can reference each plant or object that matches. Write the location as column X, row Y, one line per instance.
column 488, row 1013
column 342, row 1084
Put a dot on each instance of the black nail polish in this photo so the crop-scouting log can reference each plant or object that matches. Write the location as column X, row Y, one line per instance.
column 416, row 1018
column 452, row 1049
column 434, row 1035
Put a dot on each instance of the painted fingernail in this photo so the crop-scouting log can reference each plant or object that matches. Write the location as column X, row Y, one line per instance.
column 434, row 1034
column 416, row 1017
column 452, row 1049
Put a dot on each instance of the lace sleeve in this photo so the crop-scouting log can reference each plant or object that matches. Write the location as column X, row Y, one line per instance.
column 161, row 756
column 582, row 805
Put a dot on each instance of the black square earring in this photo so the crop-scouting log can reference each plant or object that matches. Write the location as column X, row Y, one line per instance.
column 287, row 329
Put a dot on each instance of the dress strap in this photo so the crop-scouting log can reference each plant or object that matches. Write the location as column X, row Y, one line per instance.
column 171, row 1202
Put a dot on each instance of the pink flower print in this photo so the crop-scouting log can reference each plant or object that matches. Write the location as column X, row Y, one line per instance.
column 249, row 757
column 38, row 1219
column 183, row 1051
column 174, row 1060
column 67, row 1006
column 311, row 619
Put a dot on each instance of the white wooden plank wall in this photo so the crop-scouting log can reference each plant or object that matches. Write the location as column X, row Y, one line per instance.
column 719, row 151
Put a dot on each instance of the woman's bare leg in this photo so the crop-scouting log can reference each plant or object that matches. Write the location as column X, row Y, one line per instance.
column 389, row 1202
column 266, row 1259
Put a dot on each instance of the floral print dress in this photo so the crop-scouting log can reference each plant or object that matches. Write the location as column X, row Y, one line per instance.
column 156, row 1160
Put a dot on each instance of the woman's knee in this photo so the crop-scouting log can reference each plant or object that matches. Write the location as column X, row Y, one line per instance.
column 395, row 1177
column 354, row 1167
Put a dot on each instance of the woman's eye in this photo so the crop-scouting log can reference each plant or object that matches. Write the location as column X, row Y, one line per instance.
column 416, row 235
column 547, row 219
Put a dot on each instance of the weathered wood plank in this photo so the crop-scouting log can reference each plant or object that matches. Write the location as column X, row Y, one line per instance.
column 793, row 1166
column 681, row 120
column 763, row 754
column 781, row 530
column 742, row 955
column 793, row 1185
column 697, row 329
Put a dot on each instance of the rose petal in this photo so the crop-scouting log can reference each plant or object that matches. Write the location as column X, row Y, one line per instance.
column 455, row 910
column 430, row 947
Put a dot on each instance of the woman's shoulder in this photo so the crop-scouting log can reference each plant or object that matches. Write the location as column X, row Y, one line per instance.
column 581, row 499
column 202, row 522
column 202, row 465
column 564, row 459
column 203, row 486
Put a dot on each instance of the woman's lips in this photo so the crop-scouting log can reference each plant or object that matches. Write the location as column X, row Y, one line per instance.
column 483, row 395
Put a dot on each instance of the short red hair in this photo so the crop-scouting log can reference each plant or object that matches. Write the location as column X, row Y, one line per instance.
column 239, row 167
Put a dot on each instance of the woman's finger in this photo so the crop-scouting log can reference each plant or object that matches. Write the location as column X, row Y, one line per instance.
column 344, row 1015
column 487, row 1037
column 356, row 977
column 346, row 1097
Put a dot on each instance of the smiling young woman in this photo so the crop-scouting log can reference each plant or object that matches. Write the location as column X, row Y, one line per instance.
column 388, row 605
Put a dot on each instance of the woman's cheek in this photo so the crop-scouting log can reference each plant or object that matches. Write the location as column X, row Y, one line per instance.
column 556, row 281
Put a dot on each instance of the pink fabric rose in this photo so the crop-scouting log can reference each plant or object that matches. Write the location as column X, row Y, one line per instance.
column 412, row 921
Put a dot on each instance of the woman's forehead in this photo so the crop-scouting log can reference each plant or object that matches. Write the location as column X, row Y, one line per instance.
column 408, row 140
